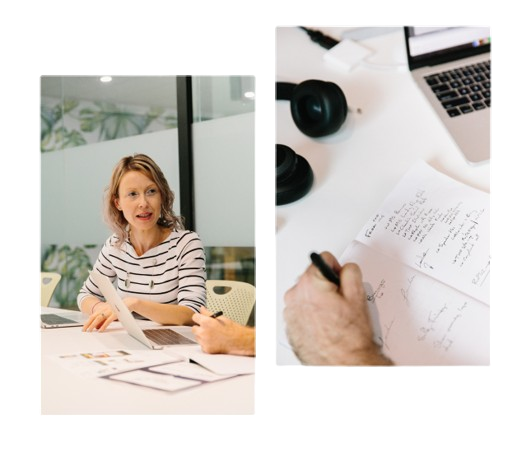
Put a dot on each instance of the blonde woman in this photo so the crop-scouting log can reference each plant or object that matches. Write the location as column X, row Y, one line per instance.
column 158, row 266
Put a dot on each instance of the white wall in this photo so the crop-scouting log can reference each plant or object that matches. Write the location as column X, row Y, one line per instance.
column 224, row 180
column 73, row 182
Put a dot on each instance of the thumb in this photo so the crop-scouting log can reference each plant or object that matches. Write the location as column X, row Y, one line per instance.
column 352, row 283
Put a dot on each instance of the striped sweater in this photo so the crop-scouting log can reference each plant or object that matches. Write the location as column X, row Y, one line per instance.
column 171, row 273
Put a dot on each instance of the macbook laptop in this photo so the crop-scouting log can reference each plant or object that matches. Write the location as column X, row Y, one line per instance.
column 451, row 65
column 154, row 338
column 62, row 319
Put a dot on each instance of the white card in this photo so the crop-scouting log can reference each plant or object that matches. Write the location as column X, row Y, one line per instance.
column 347, row 54
column 154, row 380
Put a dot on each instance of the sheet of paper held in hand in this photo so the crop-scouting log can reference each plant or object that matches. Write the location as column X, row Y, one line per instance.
column 426, row 255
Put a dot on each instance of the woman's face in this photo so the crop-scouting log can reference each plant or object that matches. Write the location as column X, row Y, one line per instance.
column 140, row 200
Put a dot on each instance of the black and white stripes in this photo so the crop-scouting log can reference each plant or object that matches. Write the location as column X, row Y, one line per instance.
column 171, row 273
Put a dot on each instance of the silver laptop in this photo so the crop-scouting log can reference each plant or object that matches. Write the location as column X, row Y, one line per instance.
column 451, row 65
column 154, row 338
column 62, row 319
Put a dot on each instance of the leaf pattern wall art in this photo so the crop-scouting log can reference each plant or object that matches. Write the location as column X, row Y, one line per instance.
column 70, row 123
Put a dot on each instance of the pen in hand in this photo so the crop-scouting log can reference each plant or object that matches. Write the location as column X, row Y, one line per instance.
column 216, row 315
column 325, row 270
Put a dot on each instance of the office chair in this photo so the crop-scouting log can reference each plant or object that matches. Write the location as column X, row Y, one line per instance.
column 234, row 298
column 49, row 282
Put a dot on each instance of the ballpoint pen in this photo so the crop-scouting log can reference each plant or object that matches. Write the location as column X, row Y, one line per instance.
column 326, row 270
column 216, row 315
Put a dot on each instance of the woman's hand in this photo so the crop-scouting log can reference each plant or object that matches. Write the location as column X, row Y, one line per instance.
column 100, row 318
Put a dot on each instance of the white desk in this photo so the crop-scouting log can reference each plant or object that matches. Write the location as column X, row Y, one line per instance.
column 358, row 166
column 64, row 392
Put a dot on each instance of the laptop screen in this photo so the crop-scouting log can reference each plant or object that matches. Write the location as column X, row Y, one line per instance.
column 429, row 46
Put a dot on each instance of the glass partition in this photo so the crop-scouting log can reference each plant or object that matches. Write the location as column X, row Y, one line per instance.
column 223, row 147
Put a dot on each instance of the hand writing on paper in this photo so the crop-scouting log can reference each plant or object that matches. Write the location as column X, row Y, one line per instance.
column 327, row 325
column 482, row 275
column 405, row 291
column 439, row 324
column 223, row 336
column 378, row 293
column 422, row 260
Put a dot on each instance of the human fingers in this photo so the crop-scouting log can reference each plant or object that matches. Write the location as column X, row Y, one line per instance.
column 94, row 321
column 323, row 272
column 86, row 325
column 352, row 282
column 198, row 318
column 331, row 260
column 107, row 320
column 354, row 293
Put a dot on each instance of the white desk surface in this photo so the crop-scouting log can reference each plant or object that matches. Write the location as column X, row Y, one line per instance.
column 358, row 166
column 64, row 392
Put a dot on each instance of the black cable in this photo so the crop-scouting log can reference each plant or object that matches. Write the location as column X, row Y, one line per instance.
column 318, row 37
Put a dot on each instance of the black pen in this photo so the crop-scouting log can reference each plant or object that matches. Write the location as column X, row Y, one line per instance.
column 216, row 315
column 326, row 270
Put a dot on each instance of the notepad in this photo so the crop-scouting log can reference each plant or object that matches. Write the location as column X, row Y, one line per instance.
column 426, row 254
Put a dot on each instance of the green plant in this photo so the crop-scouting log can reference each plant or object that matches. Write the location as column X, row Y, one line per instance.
column 73, row 264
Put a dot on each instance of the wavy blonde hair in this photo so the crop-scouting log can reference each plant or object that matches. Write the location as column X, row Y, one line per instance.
column 144, row 164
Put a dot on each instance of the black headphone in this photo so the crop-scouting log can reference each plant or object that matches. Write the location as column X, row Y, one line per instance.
column 318, row 108
column 294, row 175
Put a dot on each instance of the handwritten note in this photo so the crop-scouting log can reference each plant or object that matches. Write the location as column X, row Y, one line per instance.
column 416, row 319
column 437, row 226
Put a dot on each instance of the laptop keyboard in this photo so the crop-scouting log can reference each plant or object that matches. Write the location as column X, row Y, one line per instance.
column 164, row 336
column 462, row 90
column 52, row 319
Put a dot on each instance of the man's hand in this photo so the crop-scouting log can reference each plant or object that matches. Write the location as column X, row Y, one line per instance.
column 327, row 325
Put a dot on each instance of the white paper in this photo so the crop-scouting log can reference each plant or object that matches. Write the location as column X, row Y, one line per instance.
column 190, row 371
column 425, row 255
column 154, row 380
column 418, row 320
column 225, row 364
column 438, row 226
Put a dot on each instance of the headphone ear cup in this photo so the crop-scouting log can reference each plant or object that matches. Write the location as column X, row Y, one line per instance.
column 318, row 108
column 293, row 174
